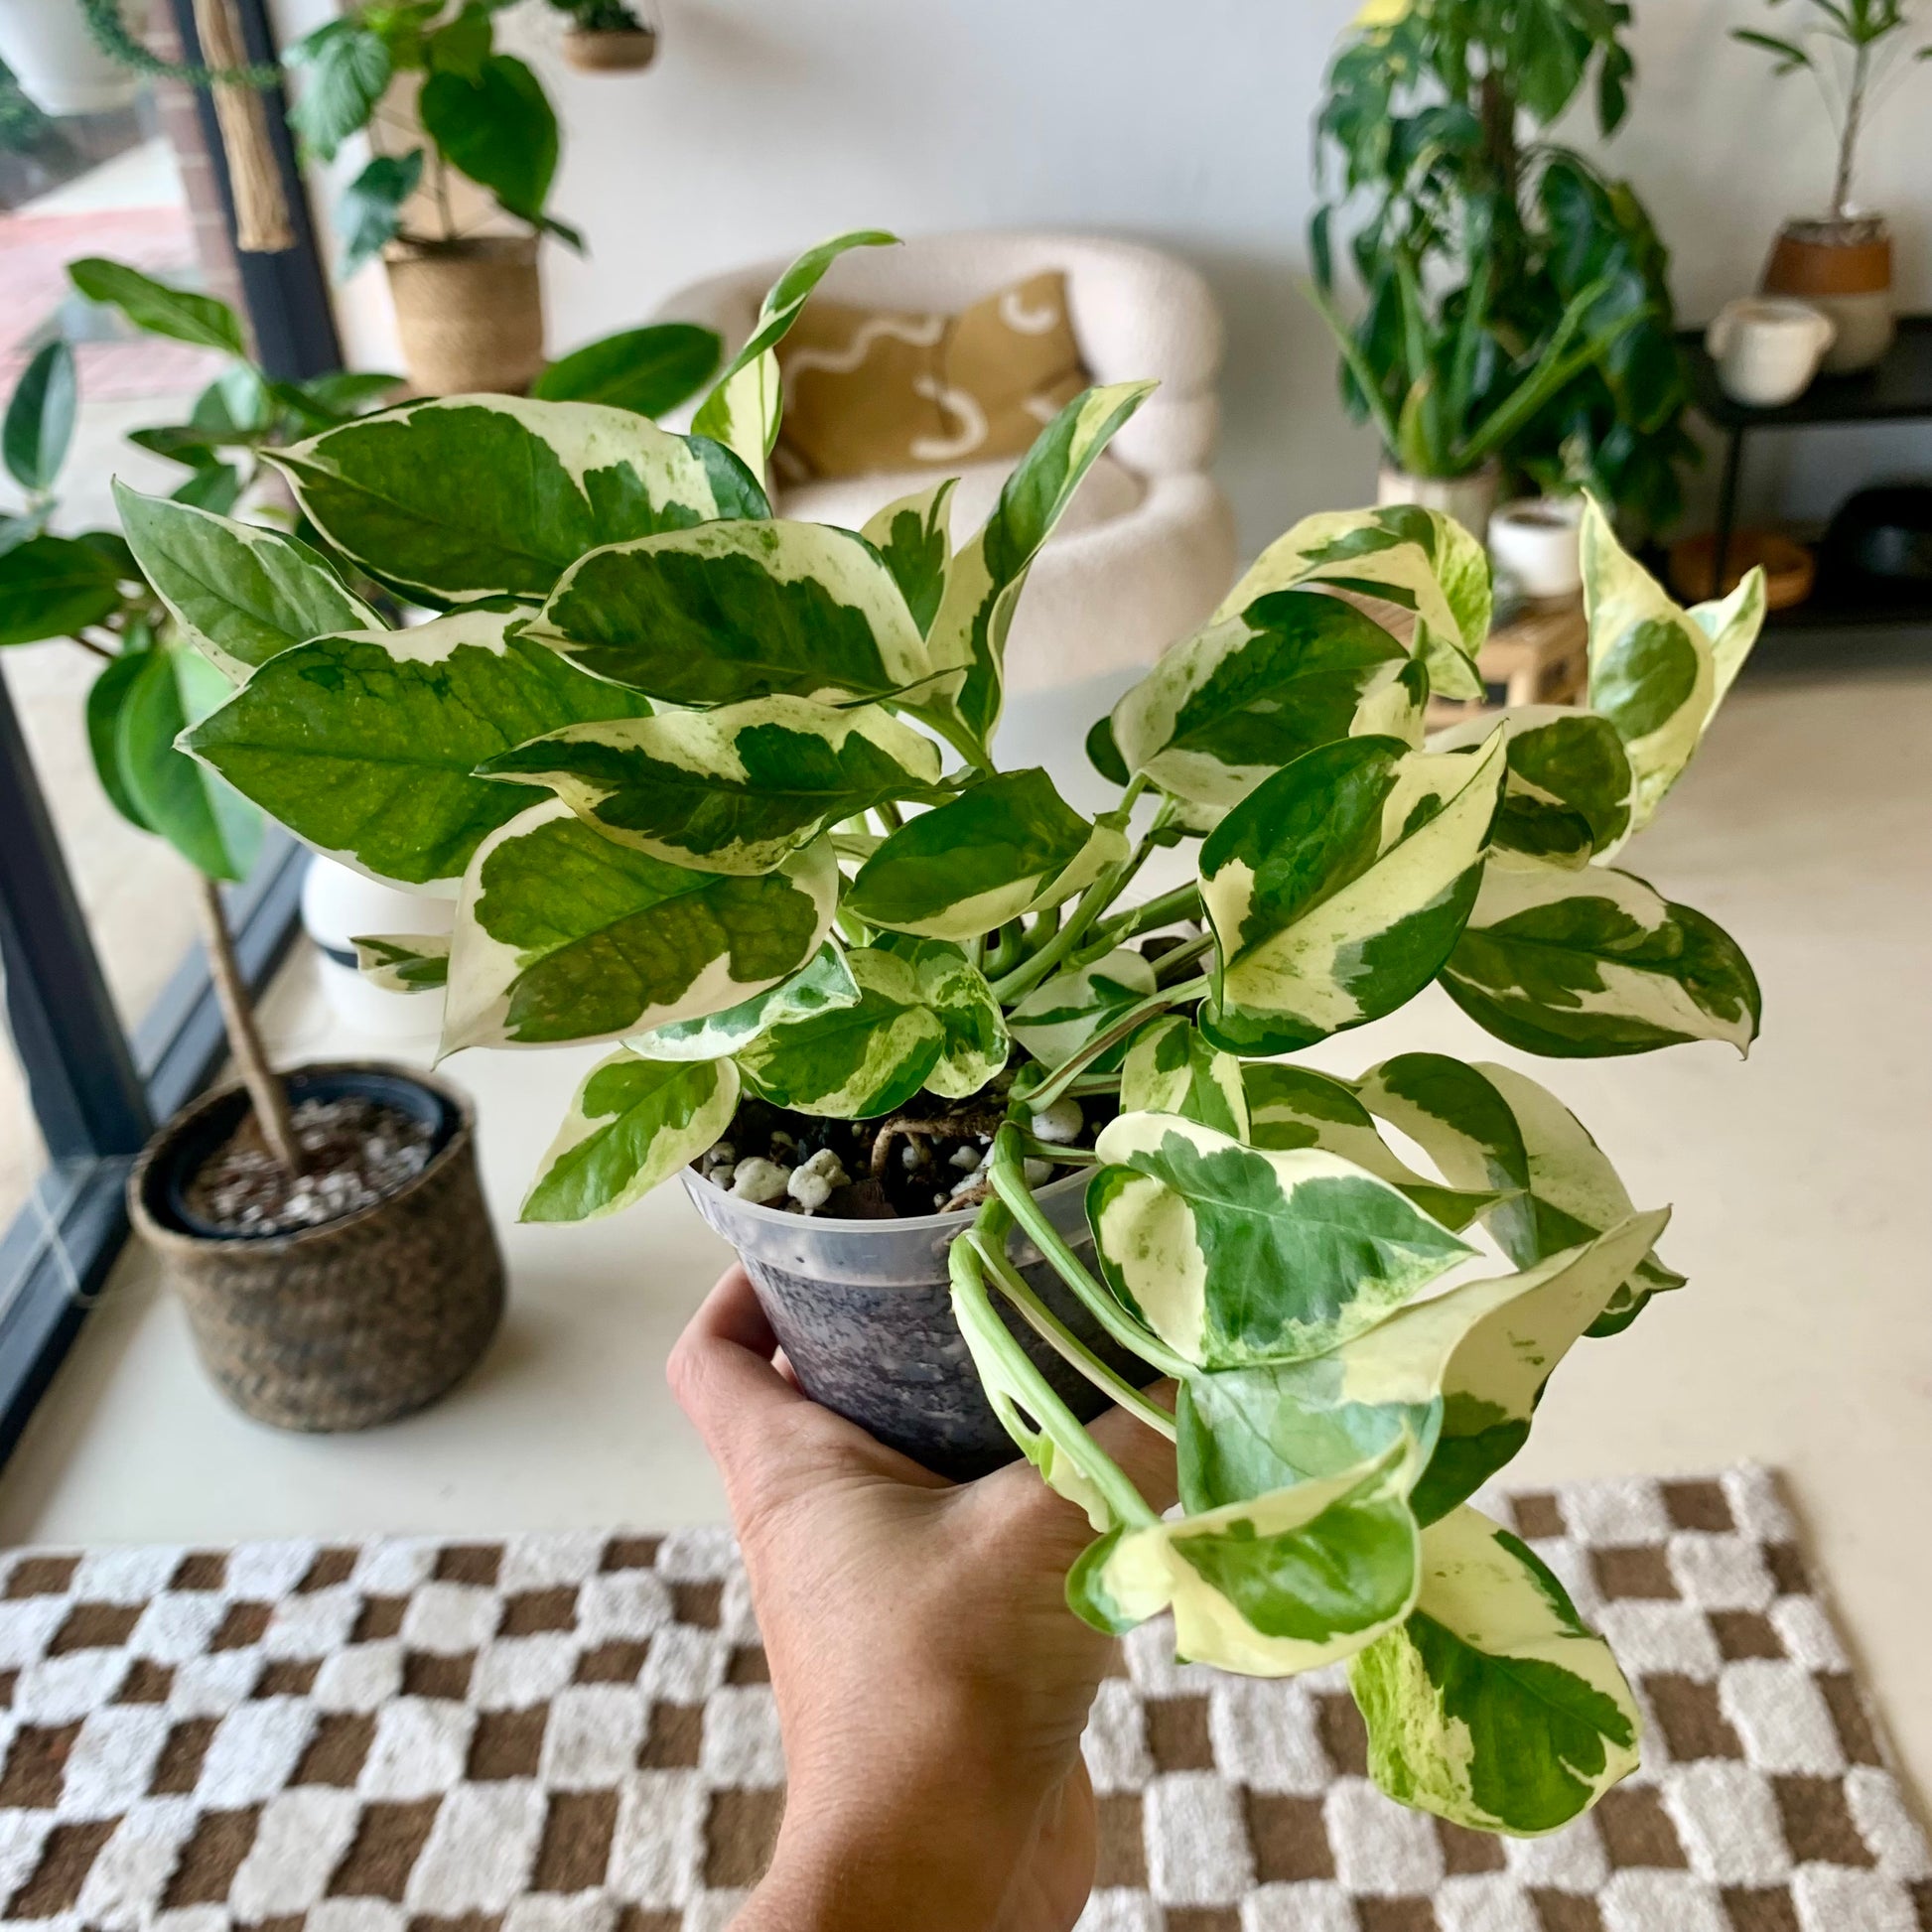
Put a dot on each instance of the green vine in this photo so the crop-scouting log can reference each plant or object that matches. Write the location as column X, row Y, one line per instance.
column 112, row 37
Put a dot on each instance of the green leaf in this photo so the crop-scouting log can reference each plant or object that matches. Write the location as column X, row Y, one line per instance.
column 1552, row 1186
column 743, row 409
column 1234, row 703
column 404, row 962
column 497, row 129
column 852, row 1062
column 1656, row 671
column 1070, row 1007
column 369, row 213
column 345, row 71
column 241, row 593
column 730, row 611
column 634, row 1123
column 1493, row 1705
column 462, row 44
column 1170, row 1068
column 736, row 789
column 1569, row 793
column 1336, row 889
column 40, row 419
column 649, row 371
column 968, row 636
column 159, row 310
column 470, row 497
column 965, row 868
column 1447, row 1384
column 106, row 697
column 1417, row 559
column 1234, row 1255
column 562, row 935
column 187, row 805
column 365, row 744
column 216, row 488
column 955, row 992
column 52, row 587
column 1284, row 1584
column 912, row 537
column 1295, row 1106
column 1577, row 965
column 825, row 982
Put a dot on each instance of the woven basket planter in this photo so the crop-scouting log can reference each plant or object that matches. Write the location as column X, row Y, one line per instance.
column 356, row 1322
column 469, row 313
column 610, row 50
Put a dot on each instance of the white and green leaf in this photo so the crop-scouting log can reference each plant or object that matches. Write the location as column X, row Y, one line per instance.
column 912, row 536
column 470, row 497
column 1338, row 888
column 1170, row 1068
column 824, row 983
column 731, row 611
column 1657, row 671
column 1066, row 1011
column 1494, row 1706
column 1489, row 1127
column 241, row 593
column 736, row 789
column 1584, row 964
column 1000, row 849
column 976, row 1042
column 366, row 743
column 1234, row 1255
column 633, row 1123
column 404, row 962
column 564, row 934
column 1254, row 690
column 1568, row 797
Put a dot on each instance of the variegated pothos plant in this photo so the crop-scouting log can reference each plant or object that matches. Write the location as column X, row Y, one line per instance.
column 771, row 854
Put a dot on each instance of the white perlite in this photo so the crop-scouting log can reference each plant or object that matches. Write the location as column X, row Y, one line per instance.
column 759, row 1180
column 1060, row 1124
column 812, row 1182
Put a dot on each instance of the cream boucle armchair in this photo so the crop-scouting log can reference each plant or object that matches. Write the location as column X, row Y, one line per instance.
column 1147, row 548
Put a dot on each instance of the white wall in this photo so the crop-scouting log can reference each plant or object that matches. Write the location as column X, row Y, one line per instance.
column 769, row 123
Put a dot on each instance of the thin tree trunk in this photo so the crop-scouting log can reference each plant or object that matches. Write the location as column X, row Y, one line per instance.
column 1849, row 141
column 266, row 1094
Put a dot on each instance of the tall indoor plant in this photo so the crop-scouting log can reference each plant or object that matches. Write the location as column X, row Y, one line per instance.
column 1435, row 136
column 880, row 975
column 1854, row 50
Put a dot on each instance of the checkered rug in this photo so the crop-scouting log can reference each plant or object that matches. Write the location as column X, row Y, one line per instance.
column 575, row 1734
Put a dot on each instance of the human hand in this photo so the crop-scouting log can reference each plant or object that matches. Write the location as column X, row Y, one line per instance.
column 931, row 1683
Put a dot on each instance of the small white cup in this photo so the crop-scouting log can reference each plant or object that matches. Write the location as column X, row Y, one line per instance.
column 1767, row 349
column 1535, row 541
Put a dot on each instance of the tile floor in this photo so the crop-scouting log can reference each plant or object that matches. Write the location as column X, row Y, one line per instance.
column 1799, row 1176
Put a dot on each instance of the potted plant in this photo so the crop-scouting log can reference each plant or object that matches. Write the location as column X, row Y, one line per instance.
column 1435, row 136
column 325, row 1229
column 1842, row 263
column 468, row 307
column 606, row 37
column 888, row 1012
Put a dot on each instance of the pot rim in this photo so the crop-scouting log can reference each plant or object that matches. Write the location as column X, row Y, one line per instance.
column 161, row 1234
column 961, row 1217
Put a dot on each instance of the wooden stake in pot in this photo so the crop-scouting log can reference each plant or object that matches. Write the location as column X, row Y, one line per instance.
column 261, row 209
column 266, row 1094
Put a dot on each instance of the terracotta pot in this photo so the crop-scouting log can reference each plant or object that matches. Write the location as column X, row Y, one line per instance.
column 1844, row 269
column 469, row 313
column 610, row 50
column 1470, row 499
column 354, row 1323
column 864, row 1312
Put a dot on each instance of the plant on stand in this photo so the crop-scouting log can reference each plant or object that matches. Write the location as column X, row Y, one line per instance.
column 897, row 1020
column 325, row 1228
column 606, row 37
column 1856, row 53
column 1482, row 242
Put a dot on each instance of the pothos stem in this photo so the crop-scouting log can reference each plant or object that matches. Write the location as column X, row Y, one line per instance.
column 1063, row 1075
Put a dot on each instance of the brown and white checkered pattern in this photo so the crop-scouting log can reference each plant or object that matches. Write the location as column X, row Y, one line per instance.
column 573, row 1733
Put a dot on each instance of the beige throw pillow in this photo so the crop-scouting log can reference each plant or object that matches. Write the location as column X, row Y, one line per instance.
column 868, row 389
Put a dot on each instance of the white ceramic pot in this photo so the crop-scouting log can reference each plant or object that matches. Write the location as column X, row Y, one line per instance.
column 1468, row 500
column 59, row 67
column 339, row 906
column 1534, row 541
column 1767, row 349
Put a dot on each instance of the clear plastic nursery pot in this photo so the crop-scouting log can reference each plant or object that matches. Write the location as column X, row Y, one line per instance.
column 353, row 1322
column 864, row 1312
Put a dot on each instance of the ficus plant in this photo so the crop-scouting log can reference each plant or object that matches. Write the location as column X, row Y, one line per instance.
column 1494, row 257
column 772, row 855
